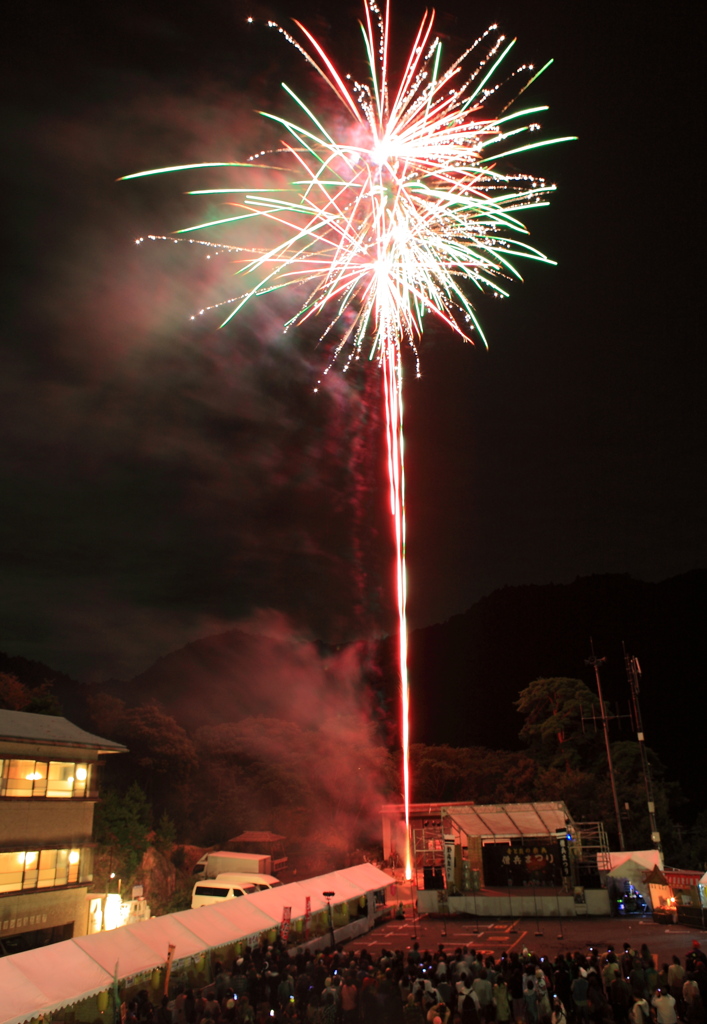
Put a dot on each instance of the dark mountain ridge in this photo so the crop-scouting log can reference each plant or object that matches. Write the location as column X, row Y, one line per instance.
column 465, row 673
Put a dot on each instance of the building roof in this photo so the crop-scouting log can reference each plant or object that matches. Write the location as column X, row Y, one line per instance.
column 509, row 821
column 426, row 810
column 257, row 837
column 24, row 727
column 492, row 821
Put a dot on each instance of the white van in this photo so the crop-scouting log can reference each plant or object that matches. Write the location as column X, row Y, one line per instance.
column 248, row 878
column 213, row 890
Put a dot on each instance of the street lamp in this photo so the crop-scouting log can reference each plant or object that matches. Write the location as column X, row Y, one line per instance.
column 328, row 897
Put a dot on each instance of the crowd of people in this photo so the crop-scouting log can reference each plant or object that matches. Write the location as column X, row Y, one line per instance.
column 269, row 986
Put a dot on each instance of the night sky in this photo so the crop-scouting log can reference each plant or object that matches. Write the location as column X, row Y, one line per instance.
column 161, row 480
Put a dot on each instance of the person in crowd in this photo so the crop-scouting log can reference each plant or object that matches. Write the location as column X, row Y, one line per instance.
column 696, row 1011
column 465, row 989
column 664, row 1004
column 164, row 1014
column 542, row 997
column 690, row 989
column 178, row 1008
column 640, row 1011
column 349, row 1000
column 531, row 1002
column 676, row 977
column 563, row 984
column 610, row 970
column 515, row 987
column 484, row 993
column 328, row 1013
column 470, row 1008
column 597, row 1003
column 637, row 979
column 502, row 1000
column 439, row 1012
column 663, row 976
column 559, row 1014
column 695, row 956
column 620, row 999
column 580, row 995
column 268, row 985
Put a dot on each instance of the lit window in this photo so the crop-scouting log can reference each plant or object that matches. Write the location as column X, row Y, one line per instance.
column 24, row 778
column 55, row 779
column 62, row 867
column 11, row 868
column 61, row 779
column 31, row 872
column 47, row 869
column 43, row 869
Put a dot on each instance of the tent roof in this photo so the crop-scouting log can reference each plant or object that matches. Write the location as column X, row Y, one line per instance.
column 656, row 877
column 347, row 884
column 648, row 858
column 367, row 876
column 509, row 821
column 245, row 917
column 62, row 974
column 48, row 978
column 121, row 946
column 21, row 997
column 630, row 869
column 336, row 882
column 293, row 895
column 159, row 932
column 206, row 923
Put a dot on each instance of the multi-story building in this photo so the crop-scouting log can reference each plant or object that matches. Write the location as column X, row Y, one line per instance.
column 48, row 791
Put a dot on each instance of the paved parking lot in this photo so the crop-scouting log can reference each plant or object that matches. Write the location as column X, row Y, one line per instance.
column 494, row 935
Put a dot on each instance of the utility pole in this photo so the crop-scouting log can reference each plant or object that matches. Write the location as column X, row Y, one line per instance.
column 595, row 663
column 633, row 671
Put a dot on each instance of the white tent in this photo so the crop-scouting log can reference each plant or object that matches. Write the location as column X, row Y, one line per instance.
column 337, row 882
column 347, row 884
column 121, row 946
column 206, row 923
column 46, row 979
column 366, row 876
column 159, row 932
column 246, row 917
column 51, row 977
column 646, row 858
column 293, row 895
column 635, row 872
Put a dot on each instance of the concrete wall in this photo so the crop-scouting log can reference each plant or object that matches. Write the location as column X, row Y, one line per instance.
column 27, row 912
column 35, row 823
column 597, row 901
column 518, row 905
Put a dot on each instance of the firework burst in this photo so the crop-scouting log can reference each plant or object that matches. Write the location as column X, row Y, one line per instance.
column 396, row 208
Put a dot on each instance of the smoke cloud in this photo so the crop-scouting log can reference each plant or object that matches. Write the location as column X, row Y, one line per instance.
column 170, row 475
